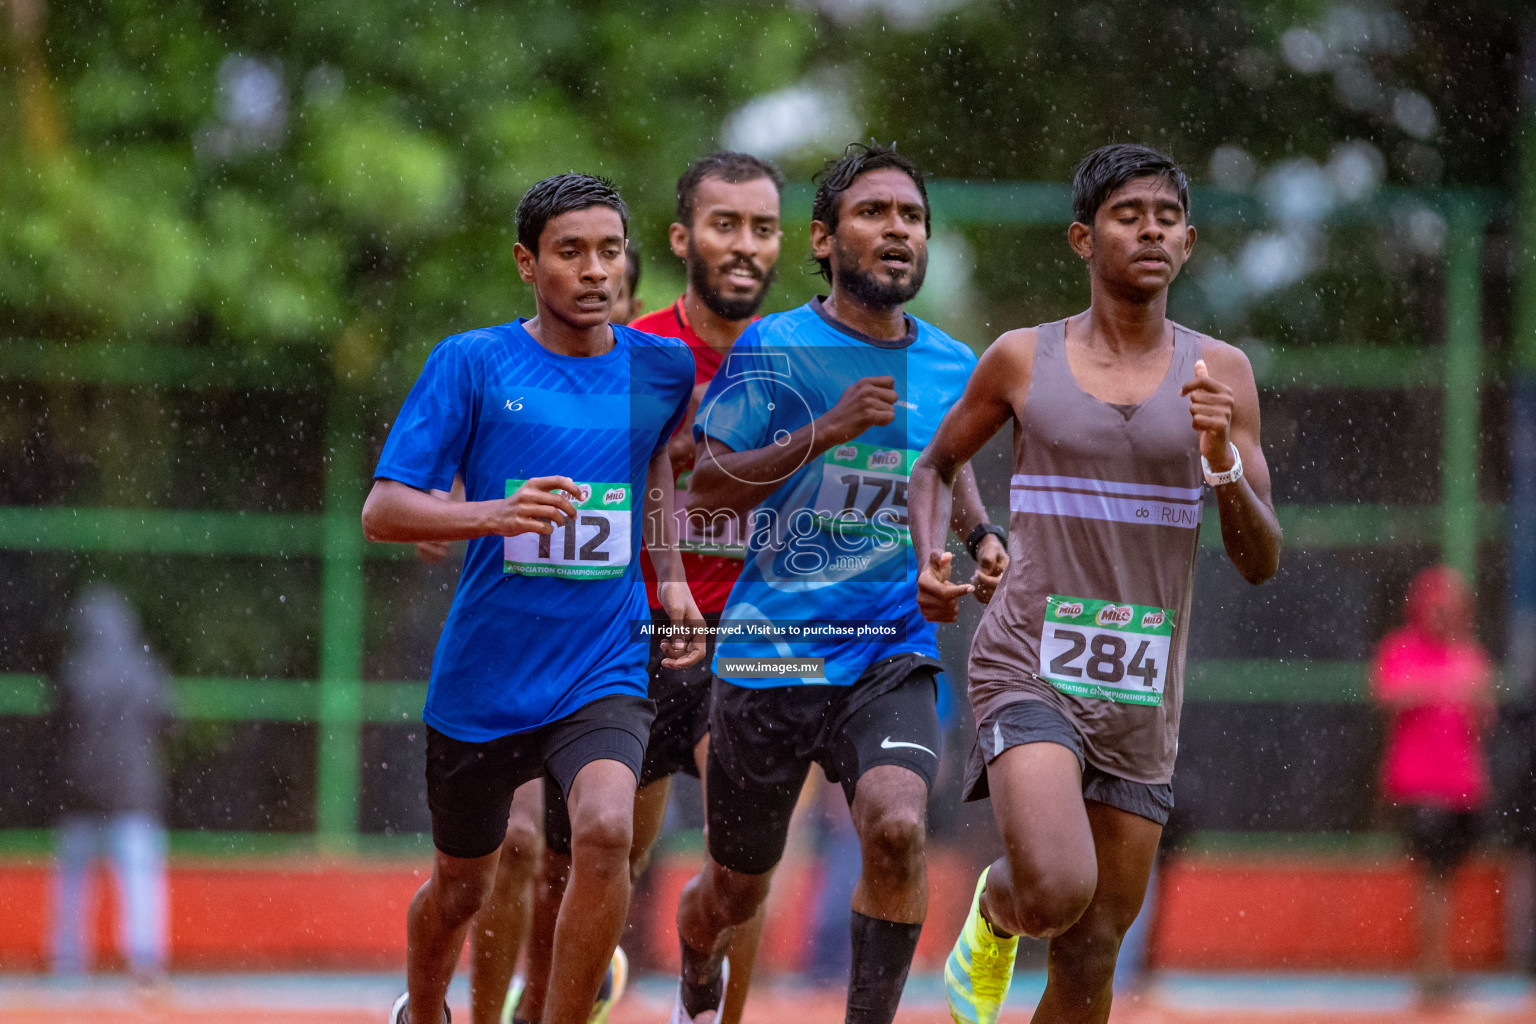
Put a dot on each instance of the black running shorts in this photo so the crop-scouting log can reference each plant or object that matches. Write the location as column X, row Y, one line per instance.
column 763, row 741
column 681, row 696
column 682, row 708
column 1034, row 721
column 1437, row 837
column 470, row 785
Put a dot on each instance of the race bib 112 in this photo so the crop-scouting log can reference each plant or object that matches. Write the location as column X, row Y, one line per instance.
column 594, row 546
column 1102, row 649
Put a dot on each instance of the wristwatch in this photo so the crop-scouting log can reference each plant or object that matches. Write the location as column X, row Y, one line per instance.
column 980, row 530
column 1231, row 476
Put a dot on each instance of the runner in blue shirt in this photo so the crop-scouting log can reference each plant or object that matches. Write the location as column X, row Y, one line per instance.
column 558, row 426
column 806, row 436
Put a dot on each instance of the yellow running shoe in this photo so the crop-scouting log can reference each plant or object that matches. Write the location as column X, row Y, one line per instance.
column 514, row 993
column 612, row 987
column 979, row 968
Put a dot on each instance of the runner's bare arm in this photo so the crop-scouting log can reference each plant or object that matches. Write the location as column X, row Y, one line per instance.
column 661, row 527
column 400, row 513
column 661, row 540
column 1223, row 407
column 737, row 481
column 967, row 512
column 681, row 446
column 983, row 409
column 434, row 551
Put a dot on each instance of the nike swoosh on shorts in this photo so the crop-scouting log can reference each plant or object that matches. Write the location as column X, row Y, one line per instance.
column 890, row 744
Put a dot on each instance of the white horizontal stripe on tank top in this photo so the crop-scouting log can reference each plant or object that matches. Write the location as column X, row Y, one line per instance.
column 1084, row 483
column 1107, row 501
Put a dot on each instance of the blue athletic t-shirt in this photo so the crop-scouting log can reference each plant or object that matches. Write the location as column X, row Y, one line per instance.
column 540, row 625
column 828, row 552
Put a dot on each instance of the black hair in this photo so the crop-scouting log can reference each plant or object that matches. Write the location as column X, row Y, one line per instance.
column 564, row 193
column 731, row 168
column 632, row 266
column 840, row 174
column 1108, row 167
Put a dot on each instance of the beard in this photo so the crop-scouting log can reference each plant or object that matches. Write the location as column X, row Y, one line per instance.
column 716, row 301
column 869, row 290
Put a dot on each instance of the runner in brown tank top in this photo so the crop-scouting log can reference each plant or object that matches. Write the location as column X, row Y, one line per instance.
column 1076, row 668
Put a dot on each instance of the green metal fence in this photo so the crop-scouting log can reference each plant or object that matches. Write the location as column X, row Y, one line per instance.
column 339, row 703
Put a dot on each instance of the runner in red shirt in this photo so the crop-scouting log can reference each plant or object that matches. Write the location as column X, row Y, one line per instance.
column 727, row 234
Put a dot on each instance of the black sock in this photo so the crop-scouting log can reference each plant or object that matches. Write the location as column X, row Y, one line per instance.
column 700, row 997
column 882, row 956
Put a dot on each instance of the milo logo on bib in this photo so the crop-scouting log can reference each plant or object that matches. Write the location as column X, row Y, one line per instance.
column 1106, row 650
column 593, row 546
column 1113, row 615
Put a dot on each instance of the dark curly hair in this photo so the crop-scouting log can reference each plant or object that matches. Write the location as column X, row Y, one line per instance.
column 840, row 174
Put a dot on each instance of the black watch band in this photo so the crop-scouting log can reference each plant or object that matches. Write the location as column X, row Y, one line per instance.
column 980, row 530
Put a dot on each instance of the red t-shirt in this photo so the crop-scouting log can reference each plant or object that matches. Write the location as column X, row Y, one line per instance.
column 1440, row 691
column 710, row 577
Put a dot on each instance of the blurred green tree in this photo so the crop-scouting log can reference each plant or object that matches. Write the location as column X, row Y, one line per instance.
column 334, row 181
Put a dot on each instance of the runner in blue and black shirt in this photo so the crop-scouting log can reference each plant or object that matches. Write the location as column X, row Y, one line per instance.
column 806, row 436
column 558, row 428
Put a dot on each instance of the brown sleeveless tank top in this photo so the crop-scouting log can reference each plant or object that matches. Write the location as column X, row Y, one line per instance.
column 1093, row 611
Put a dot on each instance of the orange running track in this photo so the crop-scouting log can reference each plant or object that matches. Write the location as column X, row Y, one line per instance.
column 280, row 999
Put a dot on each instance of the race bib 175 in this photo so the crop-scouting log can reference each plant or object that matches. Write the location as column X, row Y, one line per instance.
column 1102, row 649
column 864, row 491
column 594, row 546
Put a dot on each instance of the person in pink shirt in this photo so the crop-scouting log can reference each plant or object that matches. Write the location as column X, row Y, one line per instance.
column 1434, row 681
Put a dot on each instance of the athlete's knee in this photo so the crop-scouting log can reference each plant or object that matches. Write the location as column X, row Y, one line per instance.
column 1086, row 954
column 522, row 845
column 455, row 897
column 1049, row 902
column 892, row 838
column 603, row 834
column 734, row 897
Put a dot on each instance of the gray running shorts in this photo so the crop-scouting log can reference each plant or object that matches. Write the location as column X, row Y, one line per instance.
column 1034, row 721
